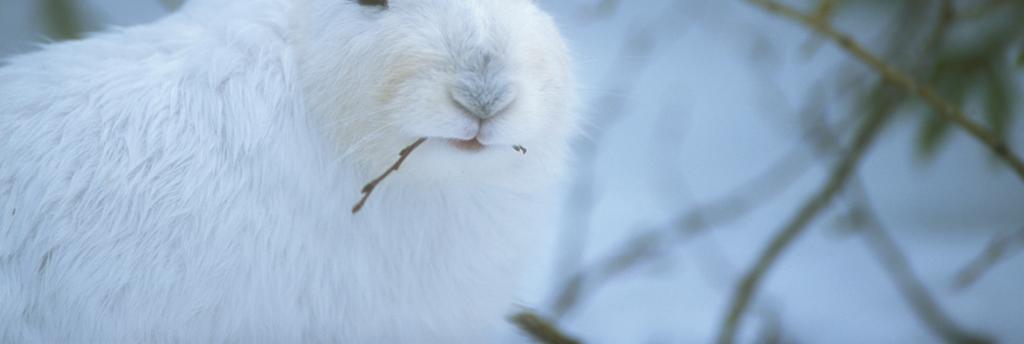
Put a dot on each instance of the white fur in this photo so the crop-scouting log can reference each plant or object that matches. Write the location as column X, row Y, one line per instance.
column 191, row 180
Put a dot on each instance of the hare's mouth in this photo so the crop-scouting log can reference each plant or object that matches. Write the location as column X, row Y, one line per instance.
column 471, row 145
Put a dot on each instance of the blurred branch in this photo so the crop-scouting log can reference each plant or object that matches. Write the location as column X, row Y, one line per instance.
column 715, row 266
column 601, row 10
column 981, row 9
column 774, row 180
column 610, row 109
column 650, row 244
column 841, row 173
column 891, row 256
column 881, row 102
column 540, row 329
column 900, row 270
column 637, row 51
column 772, row 331
column 1001, row 247
column 638, row 249
column 944, row 108
column 823, row 12
column 63, row 19
column 736, row 205
column 171, row 4
column 947, row 14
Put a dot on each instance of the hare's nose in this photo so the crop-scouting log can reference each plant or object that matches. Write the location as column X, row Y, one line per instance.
column 482, row 89
column 486, row 103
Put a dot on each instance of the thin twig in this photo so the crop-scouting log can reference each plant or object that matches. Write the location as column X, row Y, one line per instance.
column 941, row 106
column 540, row 329
column 839, row 177
column 1001, row 247
column 368, row 189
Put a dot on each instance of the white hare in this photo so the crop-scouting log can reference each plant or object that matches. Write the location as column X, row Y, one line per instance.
column 191, row 180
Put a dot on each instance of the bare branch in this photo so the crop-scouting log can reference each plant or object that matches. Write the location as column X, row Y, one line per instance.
column 845, row 167
column 652, row 244
column 368, row 189
column 639, row 249
column 540, row 329
column 920, row 299
column 573, row 239
column 1001, row 247
column 839, row 177
column 944, row 108
column 171, row 4
column 65, row 19
column 892, row 257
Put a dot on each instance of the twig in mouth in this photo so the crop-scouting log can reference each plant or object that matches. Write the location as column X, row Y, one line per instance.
column 520, row 149
column 368, row 189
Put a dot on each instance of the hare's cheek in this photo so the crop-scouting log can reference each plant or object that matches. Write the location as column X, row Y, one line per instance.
column 414, row 98
column 398, row 78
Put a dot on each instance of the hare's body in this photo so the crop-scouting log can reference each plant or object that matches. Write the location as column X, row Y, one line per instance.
column 177, row 187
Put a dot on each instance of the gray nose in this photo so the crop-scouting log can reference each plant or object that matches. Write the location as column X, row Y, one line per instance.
column 482, row 88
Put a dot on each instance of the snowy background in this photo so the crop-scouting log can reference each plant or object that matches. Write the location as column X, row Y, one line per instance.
column 692, row 100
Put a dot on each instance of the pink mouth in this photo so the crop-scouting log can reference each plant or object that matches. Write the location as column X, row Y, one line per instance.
column 473, row 145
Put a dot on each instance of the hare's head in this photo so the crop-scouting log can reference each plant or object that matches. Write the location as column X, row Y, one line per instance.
column 475, row 77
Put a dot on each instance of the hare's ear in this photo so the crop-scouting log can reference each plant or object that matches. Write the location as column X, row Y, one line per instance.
column 377, row 3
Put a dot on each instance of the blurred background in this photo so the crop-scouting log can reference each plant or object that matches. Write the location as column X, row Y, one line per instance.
column 746, row 178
